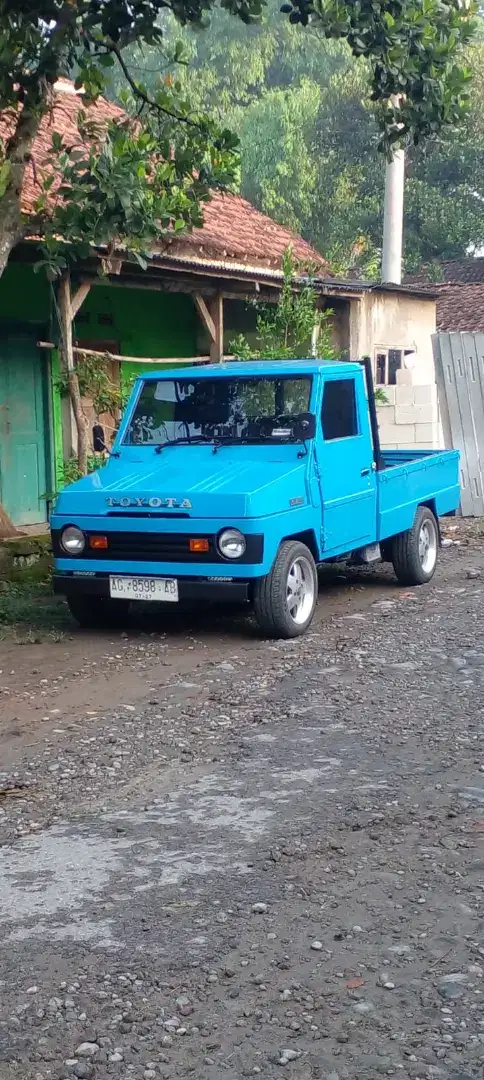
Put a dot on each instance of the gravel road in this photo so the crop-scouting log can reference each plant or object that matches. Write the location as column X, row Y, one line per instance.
column 268, row 860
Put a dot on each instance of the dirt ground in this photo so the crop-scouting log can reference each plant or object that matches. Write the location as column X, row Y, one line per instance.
column 223, row 857
column 48, row 667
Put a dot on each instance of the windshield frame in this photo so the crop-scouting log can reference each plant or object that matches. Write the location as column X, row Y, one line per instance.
column 221, row 440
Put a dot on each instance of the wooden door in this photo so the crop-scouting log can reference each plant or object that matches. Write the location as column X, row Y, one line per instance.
column 23, row 431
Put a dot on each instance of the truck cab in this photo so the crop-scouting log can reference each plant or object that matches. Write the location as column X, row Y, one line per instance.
column 233, row 482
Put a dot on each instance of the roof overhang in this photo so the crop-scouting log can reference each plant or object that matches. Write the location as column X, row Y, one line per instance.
column 195, row 267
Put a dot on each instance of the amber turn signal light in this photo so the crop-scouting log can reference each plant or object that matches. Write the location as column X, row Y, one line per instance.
column 198, row 544
column 98, row 543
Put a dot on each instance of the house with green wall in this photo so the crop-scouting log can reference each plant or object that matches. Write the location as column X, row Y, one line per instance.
column 140, row 318
column 190, row 302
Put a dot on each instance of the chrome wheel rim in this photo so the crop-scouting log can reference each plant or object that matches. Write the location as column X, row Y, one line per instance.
column 300, row 590
column 427, row 546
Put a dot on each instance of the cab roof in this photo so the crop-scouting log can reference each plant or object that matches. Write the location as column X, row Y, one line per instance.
column 255, row 367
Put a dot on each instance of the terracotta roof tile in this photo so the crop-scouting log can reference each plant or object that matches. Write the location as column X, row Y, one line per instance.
column 460, row 308
column 468, row 271
column 233, row 229
column 62, row 118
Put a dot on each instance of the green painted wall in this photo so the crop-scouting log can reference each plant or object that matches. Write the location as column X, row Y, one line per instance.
column 144, row 323
column 24, row 296
column 140, row 322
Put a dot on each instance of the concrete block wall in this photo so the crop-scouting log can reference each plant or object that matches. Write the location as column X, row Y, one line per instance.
column 410, row 419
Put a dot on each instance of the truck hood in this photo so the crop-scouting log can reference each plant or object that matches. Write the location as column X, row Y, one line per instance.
column 198, row 483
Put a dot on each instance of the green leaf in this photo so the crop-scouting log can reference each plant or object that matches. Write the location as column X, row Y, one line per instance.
column 5, row 173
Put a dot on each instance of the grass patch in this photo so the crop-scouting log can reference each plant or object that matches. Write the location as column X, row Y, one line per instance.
column 30, row 613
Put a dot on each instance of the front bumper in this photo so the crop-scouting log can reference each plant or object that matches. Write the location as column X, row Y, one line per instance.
column 202, row 589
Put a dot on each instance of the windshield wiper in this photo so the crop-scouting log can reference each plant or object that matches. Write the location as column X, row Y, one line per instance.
column 184, row 440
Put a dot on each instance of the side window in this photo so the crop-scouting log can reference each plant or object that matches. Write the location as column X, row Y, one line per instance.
column 387, row 363
column 339, row 415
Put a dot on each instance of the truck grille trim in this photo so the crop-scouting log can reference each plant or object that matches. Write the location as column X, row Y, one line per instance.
column 154, row 547
column 159, row 547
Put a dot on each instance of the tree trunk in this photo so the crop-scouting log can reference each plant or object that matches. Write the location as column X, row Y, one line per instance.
column 66, row 319
column 81, row 422
column 18, row 154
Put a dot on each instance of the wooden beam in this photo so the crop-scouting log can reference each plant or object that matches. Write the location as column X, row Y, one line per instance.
column 130, row 359
column 205, row 316
column 217, row 313
column 79, row 297
column 158, row 284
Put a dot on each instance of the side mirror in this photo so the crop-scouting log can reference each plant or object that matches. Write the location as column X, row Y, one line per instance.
column 305, row 426
column 98, row 440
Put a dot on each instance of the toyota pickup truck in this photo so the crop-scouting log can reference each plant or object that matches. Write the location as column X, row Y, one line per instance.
column 232, row 482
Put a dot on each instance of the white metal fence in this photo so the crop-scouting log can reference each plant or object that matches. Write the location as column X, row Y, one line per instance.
column 459, row 365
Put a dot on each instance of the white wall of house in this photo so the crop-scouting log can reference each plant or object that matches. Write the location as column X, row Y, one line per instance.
column 396, row 329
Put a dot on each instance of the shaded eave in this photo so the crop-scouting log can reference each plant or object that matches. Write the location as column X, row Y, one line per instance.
column 192, row 268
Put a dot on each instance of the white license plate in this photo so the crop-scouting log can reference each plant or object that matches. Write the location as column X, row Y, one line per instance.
column 144, row 588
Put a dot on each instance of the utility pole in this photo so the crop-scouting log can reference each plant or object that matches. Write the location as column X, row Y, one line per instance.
column 391, row 270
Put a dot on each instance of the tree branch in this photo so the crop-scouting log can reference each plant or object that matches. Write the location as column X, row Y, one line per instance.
column 139, row 93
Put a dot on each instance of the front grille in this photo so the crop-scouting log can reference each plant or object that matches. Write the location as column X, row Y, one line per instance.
column 154, row 547
column 159, row 547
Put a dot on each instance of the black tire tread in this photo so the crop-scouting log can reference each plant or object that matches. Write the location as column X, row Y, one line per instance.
column 270, row 612
column 405, row 559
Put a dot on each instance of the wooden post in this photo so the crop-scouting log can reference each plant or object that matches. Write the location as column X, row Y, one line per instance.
column 212, row 316
column 79, row 297
column 205, row 315
column 217, row 313
column 66, row 312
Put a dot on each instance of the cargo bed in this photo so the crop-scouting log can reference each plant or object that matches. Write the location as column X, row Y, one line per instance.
column 411, row 477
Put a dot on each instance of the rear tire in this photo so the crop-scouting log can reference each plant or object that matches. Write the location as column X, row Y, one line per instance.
column 415, row 552
column 98, row 612
column 285, row 600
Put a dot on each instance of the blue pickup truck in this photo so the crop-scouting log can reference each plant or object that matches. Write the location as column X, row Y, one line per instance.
column 233, row 482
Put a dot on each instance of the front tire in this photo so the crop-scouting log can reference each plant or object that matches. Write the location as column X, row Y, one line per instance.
column 98, row 612
column 415, row 552
column 285, row 600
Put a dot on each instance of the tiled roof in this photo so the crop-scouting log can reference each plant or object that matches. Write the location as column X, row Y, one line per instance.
column 460, row 307
column 62, row 118
column 233, row 229
column 468, row 271
column 460, row 294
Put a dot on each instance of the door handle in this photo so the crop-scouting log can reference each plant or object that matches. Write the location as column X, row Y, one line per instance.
column 365, row 472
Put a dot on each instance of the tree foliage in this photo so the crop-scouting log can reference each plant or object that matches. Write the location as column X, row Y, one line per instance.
column 309, row 139
column 410, row 51
column 285, row 329
column 130, row 183
column 417, row 79
column 120, row 186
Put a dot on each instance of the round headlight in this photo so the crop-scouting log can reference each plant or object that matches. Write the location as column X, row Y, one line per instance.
column 73, row 540
column 231, row 544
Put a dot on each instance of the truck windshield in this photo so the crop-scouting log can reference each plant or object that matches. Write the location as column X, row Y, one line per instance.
column 223, row 409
